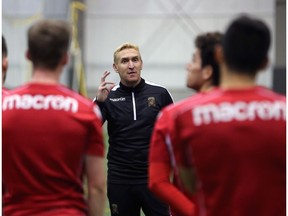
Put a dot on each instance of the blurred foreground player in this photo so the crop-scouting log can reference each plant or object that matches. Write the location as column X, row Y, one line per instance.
column 51, row 136
column 230, row 145
column 202, row 76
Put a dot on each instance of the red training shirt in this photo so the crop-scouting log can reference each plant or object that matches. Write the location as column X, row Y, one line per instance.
column 47, row 131
column 233, row 143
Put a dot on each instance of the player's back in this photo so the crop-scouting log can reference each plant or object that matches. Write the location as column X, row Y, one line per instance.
column 236, row 139
column 45, row 134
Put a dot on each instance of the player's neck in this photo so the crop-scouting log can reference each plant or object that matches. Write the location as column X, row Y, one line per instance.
column 236, row 83
column 235, row 80
column 206, row 87
column 46, row 76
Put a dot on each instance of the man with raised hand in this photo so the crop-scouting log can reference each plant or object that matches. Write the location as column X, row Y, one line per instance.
column 130, row 110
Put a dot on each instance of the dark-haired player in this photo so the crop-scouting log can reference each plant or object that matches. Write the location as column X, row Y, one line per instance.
column 202, row 76
column 230, row 145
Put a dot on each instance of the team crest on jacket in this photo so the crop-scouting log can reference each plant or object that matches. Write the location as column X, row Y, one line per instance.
column 114, row 209
column 151, row 102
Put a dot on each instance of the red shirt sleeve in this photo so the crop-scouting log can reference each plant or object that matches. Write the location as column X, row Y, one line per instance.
column 158, row 149
column 161, row 186
column 160, row 168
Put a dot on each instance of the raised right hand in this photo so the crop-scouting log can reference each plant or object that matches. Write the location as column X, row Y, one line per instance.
column 104, row 88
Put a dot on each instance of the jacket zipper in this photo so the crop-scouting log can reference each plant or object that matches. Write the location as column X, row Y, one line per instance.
column 134, row 106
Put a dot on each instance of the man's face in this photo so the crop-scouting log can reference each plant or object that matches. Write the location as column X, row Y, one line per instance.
column 195, row 78
column 129, row 65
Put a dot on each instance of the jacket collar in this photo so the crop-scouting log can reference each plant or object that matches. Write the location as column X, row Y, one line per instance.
column 136, row 88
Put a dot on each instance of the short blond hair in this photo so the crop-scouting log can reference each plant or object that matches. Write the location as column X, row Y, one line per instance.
column 123, row 47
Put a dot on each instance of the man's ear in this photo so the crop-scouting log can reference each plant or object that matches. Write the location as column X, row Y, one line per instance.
column 218, row 54
column 115, row 67
column 65, row 59
column 141, row 64
column 28, row 56
column 207, row 72
column 4, row 64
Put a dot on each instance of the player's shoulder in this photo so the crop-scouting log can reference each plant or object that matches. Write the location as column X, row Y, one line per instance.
column 4, row 91
column 268, row 93
column 194, row 100
column 17, row 90
column 172, row 111
column 63, row 90
column 86, row 105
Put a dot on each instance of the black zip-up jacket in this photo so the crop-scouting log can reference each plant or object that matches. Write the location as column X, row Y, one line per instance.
column 130, row 115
